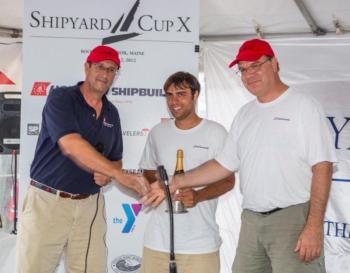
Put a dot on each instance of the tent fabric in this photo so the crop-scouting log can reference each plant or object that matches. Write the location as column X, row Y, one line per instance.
column 234, row 18
column 314, row 59
column 319, row 64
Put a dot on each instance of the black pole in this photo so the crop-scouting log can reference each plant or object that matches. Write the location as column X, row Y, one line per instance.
column 14, row 231
column 164, row 178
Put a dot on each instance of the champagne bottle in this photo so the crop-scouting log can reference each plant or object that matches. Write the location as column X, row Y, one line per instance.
column 179, row 162
column 178, row 206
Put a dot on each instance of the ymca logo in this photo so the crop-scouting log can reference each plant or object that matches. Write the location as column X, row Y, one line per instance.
column 124, row 28
column 131, row 212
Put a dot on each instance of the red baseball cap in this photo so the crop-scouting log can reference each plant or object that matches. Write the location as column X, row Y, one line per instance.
column 103, row 53
column 252, row 50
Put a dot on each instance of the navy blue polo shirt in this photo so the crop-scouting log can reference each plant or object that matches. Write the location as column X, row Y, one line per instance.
column 66, row 112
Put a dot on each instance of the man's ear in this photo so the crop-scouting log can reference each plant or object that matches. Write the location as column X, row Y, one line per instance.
column 87, row 66
column 275, row 65
column 196, row 95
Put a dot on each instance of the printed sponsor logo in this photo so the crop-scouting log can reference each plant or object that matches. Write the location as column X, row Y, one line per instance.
column 140, row 92
column 336, row 229
column 131, row 212
column 341, row 129
column 33, row 129
column 283, row 119
column 136, row 133
column 201, row 147
column 123, row 26
column 105, row 123
column 40, row 89
column 126, row 264
column 133, row 171
column 128, row 25
column 5, row 80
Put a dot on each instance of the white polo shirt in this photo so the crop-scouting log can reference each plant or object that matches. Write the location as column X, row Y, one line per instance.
column 273, row 146
column 196, row 232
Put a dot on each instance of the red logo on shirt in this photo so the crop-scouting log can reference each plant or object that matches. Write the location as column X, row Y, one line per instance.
column 40, row 89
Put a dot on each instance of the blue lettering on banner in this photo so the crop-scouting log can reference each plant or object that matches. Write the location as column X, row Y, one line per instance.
column 337, row 229
column 117, row 220
column 340, row 180
column 338, row 130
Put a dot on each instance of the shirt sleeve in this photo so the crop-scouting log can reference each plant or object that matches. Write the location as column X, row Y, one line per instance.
column 220, row 135
column 58, row 114
column 148, row 159
column 228, row 156
column 318, row 145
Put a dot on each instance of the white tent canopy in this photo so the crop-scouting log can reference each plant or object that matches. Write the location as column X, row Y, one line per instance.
column 234, row 18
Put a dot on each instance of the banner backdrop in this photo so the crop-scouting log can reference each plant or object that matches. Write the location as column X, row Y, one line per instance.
column 10, row 65
column 319, row 66
column 10, row 81
column 155, row 38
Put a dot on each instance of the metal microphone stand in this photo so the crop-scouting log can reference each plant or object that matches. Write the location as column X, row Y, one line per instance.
column 164, row 178
column 15, row 197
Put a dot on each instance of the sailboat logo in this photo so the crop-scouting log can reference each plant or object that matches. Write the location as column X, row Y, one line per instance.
column 123, row 27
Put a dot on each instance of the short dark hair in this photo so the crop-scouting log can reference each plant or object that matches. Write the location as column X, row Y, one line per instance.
column 183, row 79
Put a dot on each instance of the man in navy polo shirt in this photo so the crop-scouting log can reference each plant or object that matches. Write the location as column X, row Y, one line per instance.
column 79, row 150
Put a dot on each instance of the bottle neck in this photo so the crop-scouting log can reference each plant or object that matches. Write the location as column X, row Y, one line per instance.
column 179, row 166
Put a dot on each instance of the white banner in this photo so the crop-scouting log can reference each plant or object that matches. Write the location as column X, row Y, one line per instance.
column 320, row 66
column 155, row 38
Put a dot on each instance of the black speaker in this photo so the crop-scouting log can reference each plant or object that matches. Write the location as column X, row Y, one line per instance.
column 10, row 115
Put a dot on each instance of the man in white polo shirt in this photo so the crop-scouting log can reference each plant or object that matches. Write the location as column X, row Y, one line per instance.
column 281, row 147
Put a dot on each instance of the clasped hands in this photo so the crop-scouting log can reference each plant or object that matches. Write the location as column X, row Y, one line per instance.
column 152, row 194
column 136, row 182
column 188, row 196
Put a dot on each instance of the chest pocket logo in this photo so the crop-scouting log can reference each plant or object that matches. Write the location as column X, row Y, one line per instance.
column 106, row 124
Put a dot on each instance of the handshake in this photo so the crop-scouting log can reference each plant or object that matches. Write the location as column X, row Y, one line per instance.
column 151, row 193
column 136, row 182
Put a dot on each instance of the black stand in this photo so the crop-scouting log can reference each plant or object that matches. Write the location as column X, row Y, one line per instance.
column 164, row 178
column 14, row 231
